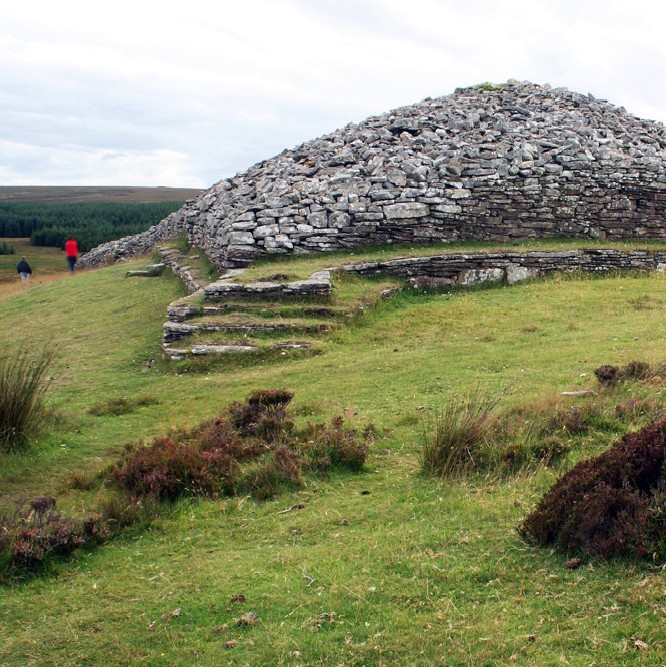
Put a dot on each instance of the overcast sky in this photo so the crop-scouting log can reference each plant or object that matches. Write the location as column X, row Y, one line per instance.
column 186, row 93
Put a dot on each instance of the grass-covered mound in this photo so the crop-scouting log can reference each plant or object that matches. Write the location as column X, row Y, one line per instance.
column 612, row 504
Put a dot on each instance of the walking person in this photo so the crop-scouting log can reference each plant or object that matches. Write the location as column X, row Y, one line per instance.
column 23, row 268
column 71, row 252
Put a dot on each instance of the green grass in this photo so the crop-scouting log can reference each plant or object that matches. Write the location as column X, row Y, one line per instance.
column 416, row 571
column 200, row 266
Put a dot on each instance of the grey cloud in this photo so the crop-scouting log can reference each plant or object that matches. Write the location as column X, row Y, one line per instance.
column 215, row 94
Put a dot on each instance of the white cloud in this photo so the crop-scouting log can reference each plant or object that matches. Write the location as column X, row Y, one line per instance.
column 85, row 166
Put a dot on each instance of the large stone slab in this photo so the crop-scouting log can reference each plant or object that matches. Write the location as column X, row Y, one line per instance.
column 406, row 211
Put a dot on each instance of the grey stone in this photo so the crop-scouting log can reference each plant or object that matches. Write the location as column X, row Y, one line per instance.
column 241, row 238
column 454, row 169
column 462, row 193
column 243, row 226
column 447, row 208
column 265, row 230
column 319, row 219
column 407, row 210
column 339, row 219
column 515, row 274
column 397, row 177
column 478, row 276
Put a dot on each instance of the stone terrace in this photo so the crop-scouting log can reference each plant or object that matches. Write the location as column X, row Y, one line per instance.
column 227, row 317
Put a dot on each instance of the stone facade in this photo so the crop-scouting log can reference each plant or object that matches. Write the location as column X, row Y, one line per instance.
column 500, row 163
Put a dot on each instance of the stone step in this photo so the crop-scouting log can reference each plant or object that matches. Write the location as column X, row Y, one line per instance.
column 176, row 330
column 182, row 310
column 266, row 310
column 233, row 319
column 188, row 306
column 318, row 286
column 179, row 264
column 200, row 349
column 242, row 325
column 230, row 317
column 151, row 271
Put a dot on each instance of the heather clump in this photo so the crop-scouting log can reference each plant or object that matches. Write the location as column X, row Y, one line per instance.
column 168, row 469
column 334, row 445
column 635, row 370
column 264, row 414
column 609, row 505
column 34, row 531
column 251, row 447
column 636, row 409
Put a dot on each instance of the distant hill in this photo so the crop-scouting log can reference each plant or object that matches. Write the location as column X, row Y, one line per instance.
column 60, row 194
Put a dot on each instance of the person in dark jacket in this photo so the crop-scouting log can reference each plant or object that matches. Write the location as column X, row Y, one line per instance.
column 23, row 269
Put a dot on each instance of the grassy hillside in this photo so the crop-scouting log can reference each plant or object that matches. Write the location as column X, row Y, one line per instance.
column 60, row 194
column 43, row 261
column 382, row 568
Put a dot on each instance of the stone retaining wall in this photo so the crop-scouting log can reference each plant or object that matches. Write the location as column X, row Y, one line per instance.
column 475, row 268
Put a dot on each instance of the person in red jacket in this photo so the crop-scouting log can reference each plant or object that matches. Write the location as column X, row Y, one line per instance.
column 71, row 252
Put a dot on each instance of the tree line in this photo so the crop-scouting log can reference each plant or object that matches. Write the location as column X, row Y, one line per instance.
column 49, row 224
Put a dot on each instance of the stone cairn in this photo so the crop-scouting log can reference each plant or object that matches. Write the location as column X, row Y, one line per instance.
column 489, row 162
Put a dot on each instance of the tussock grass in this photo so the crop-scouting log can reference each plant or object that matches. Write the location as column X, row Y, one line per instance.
column 23, row 383
column 121, row 405
column 462, row 427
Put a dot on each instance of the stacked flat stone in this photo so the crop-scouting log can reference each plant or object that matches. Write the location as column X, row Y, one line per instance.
column 480, row 267
column 506, row 162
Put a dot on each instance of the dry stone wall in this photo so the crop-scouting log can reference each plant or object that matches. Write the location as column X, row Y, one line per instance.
column 477, row 268
column 498, row 163
column 115, row 251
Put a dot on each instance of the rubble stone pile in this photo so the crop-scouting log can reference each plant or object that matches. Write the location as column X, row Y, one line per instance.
column 489, row 162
